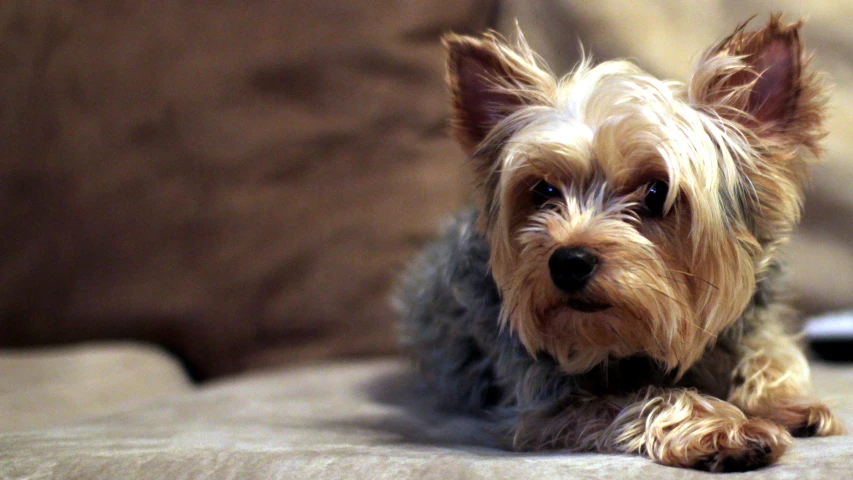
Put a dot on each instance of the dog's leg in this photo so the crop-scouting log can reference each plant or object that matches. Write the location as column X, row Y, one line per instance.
column 772, row 382
column 676, row 427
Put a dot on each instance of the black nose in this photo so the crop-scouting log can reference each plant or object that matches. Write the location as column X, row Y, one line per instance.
column 571, row 268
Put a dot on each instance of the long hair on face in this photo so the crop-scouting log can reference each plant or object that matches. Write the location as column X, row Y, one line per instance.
column 729, row 146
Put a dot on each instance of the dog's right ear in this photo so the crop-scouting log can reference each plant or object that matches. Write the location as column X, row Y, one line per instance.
column 759, row 80
column 488, row 81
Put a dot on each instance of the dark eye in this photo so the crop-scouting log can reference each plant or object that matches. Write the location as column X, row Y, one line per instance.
column 544, row 191
column 655, row 198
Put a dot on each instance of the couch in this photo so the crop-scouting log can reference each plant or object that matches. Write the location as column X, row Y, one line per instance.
column 125, row 410
column 205, row 206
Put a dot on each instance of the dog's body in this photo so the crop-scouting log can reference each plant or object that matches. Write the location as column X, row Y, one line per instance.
column 614, row 289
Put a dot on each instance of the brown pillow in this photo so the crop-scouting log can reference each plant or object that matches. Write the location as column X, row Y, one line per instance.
column 241, row 182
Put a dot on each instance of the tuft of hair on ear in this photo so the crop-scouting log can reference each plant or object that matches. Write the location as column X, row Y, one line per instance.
column 760, row 80
column 489, row 80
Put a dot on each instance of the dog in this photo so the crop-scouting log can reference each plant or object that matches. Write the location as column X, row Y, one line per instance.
column 613, row 288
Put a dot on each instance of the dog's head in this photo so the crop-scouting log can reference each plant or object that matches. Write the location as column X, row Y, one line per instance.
column 627, row 214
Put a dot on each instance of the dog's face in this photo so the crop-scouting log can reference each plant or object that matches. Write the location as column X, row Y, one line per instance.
column 626, row 214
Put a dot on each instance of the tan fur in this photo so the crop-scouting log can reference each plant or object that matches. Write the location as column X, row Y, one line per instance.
column 675, row 427
column 695, row 293
column 775, row 384
column 732, row 144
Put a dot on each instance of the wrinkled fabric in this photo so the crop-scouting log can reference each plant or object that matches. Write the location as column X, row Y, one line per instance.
column 365, row 419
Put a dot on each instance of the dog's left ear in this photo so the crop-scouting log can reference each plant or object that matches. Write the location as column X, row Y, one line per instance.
column 759, row 79
column 489, row 80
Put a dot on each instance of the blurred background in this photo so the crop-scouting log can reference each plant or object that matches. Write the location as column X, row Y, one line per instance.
column 242, row 181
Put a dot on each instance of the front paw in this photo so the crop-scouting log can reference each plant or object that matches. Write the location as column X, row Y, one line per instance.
column 750, row 457
column 724, row 445
column 805, row 418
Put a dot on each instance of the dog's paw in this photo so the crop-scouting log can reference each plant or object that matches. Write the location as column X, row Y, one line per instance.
column 725, row 445
column 750, row 457
column 809, row 419
column 742, row 446
column 803, row 417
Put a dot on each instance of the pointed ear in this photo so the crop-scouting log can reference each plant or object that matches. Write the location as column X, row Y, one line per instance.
column 758, row 79
column 488, row 81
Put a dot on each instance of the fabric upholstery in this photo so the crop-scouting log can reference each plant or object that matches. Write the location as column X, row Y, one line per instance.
column 44, row 387
column 240, row 183
column 365, row 419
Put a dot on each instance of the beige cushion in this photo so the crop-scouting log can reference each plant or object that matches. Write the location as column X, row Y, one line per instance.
column 355, row 420
column 45, row 387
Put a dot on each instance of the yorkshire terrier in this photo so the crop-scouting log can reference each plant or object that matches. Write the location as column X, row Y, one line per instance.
column 613, row 290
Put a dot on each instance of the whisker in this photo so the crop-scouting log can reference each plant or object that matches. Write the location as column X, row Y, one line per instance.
column 683, row 282
column 694, row 276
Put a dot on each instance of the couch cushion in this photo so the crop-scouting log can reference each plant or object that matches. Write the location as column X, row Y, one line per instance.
column 346, row 420
column 240, row 182
column 41, row 388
